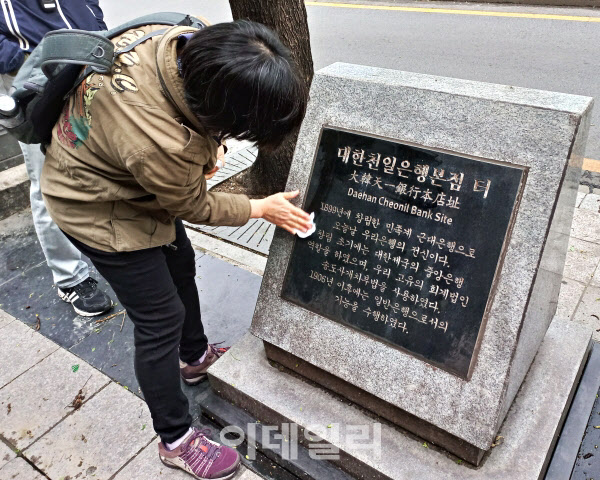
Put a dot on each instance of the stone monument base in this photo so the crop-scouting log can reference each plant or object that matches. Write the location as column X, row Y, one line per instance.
column 245, row 377
column 402, row 418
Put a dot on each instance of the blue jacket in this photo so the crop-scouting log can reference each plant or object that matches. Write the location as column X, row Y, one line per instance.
column 23, row 24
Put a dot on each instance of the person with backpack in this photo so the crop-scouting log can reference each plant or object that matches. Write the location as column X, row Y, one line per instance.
column 23, row 24
column 128, row 161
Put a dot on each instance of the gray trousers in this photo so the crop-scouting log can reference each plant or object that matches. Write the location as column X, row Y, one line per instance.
column 68, row 269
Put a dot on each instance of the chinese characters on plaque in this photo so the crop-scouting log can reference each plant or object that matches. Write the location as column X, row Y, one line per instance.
column 407, row 244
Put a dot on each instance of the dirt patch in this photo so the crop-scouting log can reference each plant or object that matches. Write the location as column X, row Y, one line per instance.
column 232, row 186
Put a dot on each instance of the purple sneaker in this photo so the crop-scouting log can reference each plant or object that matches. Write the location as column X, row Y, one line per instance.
column 195, row 372
column 201, row 457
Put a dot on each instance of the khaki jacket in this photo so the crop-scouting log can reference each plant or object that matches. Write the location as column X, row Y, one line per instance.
column 127, row 156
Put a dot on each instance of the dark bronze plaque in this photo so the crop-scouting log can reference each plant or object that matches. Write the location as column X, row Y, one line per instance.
column 407, row 244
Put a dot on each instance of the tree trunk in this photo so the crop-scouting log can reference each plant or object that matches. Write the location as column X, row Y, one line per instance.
column 288, row 18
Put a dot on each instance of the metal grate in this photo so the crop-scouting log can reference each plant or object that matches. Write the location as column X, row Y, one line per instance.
column 235, row 163
column 257, row 234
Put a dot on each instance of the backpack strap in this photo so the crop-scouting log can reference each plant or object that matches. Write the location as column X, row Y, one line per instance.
column 163, row 18
column 94, row 49
column 92, row 68
column 76, row 47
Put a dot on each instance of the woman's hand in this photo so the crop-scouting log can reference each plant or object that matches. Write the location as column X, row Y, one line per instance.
column 220, row 163
column 277, row 209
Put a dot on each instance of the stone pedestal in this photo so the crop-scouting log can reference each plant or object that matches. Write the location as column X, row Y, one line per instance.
column 275, row 396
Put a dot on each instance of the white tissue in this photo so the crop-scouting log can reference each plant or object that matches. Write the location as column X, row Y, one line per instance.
column 310, row 231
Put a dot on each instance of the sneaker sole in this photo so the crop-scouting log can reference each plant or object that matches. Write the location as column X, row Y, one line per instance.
column 192, row 382
column 64, row 298
column 226, row 477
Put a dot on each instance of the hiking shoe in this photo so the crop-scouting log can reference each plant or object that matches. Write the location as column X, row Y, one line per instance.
column 195, row 372
column 86, row 299
column 201, row 457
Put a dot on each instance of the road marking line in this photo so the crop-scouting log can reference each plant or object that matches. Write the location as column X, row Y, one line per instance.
column 448, row 11
column 591, row 165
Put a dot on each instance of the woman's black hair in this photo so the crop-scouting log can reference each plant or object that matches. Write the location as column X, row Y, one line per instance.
column 241, row 83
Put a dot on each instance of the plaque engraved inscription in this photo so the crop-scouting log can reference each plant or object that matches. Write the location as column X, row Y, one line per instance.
column 407, row 246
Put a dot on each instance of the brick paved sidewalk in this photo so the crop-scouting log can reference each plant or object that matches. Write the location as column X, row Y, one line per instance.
column 580, row 293
column 45, row 435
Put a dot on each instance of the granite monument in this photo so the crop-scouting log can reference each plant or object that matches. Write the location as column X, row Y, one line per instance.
column 443, row 209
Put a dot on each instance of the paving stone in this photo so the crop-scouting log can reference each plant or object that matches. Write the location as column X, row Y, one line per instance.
column 97, row 440
column 40, row 397
column 22, row 348
column 21, row 249
column 588, row 311
column 227, row 299
column 147, row 466
column 596, row 278
column 5, row 318
column 582, row 259
column 6, row 454
column 33, row 293
column 11, row 162
column 19, row 469
column 111, row 351
column 570, row 293
column 591, row 202
column 580, row 196
column 233, row 254
column 245, row 474
column 570, row 459
column 587, row 465
column 584, row 189
column 586, row 225
column 9, row 147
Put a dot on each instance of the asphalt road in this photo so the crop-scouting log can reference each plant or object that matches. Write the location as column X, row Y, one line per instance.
column 548, row 54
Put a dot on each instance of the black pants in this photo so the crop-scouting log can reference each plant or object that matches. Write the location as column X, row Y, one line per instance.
column 157, row 288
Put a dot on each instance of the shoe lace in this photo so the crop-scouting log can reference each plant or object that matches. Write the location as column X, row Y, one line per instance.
column 200, row 438
column 218, row 351
column 86, row 288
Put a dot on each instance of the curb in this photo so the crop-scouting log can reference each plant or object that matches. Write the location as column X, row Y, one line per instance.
column 14, row 190
column 506, row 3
column 591, row 174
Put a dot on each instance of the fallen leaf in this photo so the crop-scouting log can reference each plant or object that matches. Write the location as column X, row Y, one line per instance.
column 78, row 401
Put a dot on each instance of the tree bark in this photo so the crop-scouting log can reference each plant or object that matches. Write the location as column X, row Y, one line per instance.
column 288, row 18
